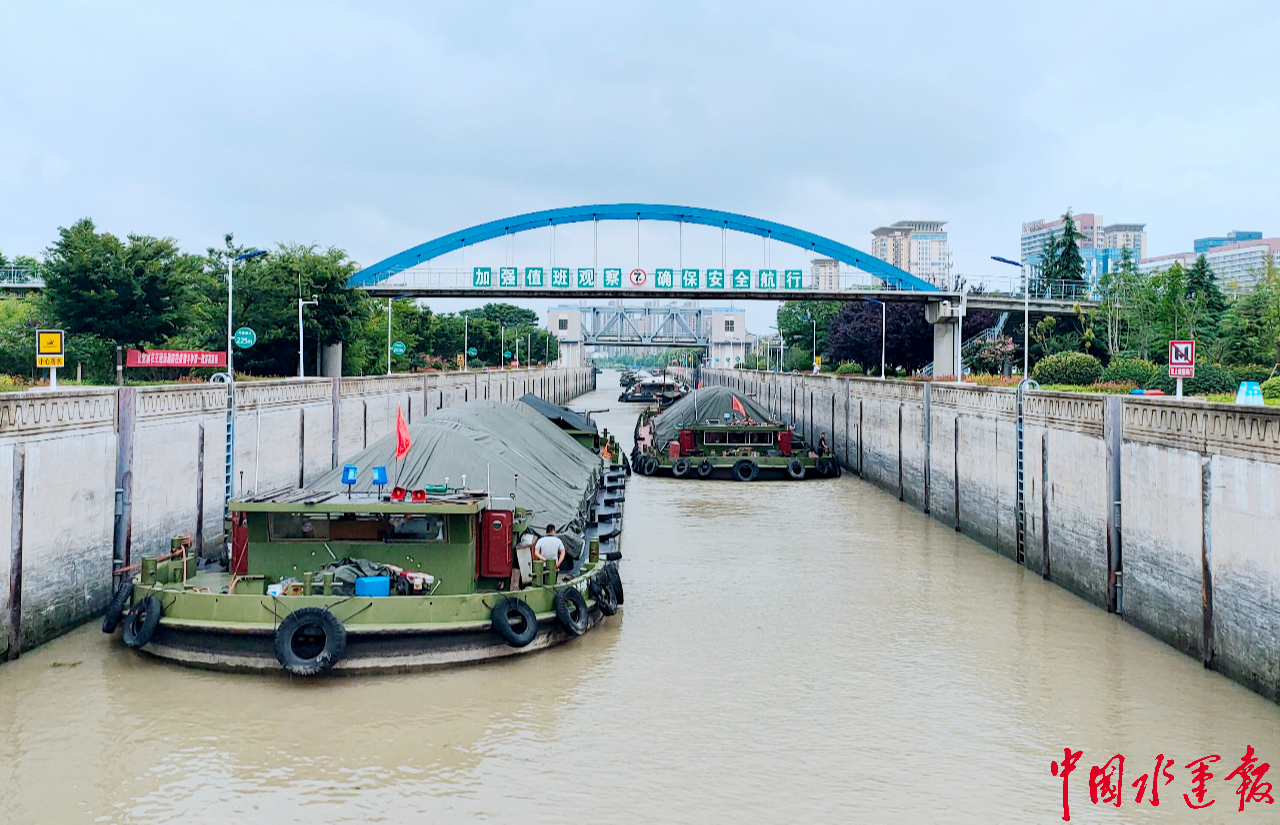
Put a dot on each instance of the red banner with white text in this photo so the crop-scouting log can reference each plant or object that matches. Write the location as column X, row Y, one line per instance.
column 174, row 358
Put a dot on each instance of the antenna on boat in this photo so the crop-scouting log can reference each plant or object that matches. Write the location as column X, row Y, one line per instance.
column 515, row 483
column 486, row 478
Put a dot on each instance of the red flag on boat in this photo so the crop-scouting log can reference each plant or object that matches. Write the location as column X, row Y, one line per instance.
column 699, row 385
column 738, row 408
column 403, row 441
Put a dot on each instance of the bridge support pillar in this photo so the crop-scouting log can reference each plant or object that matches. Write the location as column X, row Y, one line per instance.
column 946, row 317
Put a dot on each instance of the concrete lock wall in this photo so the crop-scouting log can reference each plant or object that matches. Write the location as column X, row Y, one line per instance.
column 63, row 454
column 1191, row 553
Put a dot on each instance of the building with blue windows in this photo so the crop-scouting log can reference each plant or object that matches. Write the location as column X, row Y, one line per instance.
column 1235, row 236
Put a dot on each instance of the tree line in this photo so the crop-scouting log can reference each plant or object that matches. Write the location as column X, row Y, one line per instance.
column 145, row 292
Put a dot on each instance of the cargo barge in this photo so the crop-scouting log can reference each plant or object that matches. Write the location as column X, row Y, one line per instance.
column 423, row 551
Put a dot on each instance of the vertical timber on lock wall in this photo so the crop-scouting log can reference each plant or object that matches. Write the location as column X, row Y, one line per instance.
column 955, row 470
column 928, row 438
column 14, row 648
column 1206, row 559
column 1112, row 424
column 123, row 533
column 302, row 449
column 1044, row 504
column 198, row 545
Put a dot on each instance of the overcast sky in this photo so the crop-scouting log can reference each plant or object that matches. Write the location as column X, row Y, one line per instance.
column 377, row 126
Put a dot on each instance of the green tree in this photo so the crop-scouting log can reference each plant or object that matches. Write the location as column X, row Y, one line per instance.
column 797, row 330
column 1206, row 302
column 131, row 293
column 508, row 314
column 1070, row 264
column 1251, row 327
column 267, row 290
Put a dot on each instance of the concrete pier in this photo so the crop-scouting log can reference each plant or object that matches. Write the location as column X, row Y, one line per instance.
column 113, row 473
column 1166, row 512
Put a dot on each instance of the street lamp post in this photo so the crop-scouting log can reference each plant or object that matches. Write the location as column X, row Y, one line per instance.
column 388, row 336
column 301, row 337
column 466, row 341
column 1026, row 314
column 231, row 382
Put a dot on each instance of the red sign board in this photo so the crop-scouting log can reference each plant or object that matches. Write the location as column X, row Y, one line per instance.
column 1182, row 359
column 175, row 358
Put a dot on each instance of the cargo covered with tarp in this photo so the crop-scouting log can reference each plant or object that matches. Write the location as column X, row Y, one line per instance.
column 566, row 418
column 707, row 405
column 490, row 444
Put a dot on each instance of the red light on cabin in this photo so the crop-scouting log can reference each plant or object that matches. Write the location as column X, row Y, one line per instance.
column 398, row 494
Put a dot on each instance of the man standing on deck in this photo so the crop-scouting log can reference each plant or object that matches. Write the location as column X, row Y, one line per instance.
column 549, row 548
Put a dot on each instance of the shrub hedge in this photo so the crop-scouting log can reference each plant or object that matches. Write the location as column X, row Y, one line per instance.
column 1271, row 389
column 1076, row 368
column 1250, row 372
column 1129, row 370
column 849, row 368
column 1210, row 378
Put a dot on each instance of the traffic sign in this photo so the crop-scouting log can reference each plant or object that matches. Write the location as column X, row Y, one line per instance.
column 398, row 348
column 1182, row 359
column 245, row 338
column 506, row 354
column 462, row 361
column 638, row 277
column 473, row 352
column 49, row 348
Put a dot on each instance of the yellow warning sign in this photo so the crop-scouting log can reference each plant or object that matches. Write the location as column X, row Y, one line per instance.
column 49, row 342
column 49, row 361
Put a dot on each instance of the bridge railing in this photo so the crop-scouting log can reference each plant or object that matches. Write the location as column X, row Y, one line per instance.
column 18, row 277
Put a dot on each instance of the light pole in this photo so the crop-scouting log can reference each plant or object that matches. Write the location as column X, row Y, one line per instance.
column 814, row 321
column 884, row 326
column 301, row 337
column 388, row 336
column 466, row 342
column 782, row 349
column 1026, row 313
column 231, row 383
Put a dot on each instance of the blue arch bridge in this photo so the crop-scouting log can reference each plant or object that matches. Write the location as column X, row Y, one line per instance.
column 409, row 273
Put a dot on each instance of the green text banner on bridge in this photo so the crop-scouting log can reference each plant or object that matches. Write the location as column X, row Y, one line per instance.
column 892, row 277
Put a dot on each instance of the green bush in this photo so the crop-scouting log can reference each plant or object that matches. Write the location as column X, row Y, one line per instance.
column 1129, row 370
column 849, row 368
column 1271, row 389
column 1210, row 378
column 1076, row 368
column 1250, row 372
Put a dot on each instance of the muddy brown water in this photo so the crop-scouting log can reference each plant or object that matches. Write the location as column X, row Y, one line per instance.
column 789, row 652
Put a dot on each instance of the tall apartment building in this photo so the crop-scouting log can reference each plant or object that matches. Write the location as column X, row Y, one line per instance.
column 1101, row 245
column 825, row 273
column 1235, row 265
column 918, row 247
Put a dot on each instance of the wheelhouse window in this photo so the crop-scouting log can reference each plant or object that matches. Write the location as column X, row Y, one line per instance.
column 298, row 526
column 761, row 438
column 713, row 437
column 417, row 528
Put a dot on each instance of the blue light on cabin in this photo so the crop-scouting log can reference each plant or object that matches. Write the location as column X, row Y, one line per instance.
column 349, row 474
column 379, row 475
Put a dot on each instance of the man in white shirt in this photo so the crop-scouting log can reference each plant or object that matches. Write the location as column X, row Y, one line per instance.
column 549, row 548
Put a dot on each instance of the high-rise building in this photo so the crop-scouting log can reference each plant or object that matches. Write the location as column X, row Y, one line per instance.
column 1235, row 236
column 826, row 274
column 1235, row 265
column 917, row 247
column 1101, row 245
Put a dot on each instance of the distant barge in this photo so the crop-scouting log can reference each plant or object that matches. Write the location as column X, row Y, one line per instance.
column 387, row 575
column 719, row 433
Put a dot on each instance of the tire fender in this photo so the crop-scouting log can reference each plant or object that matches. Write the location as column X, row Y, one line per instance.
column 141, row 622
column 115, row 609
column 515, row 621
column 310, row 640
column 571, row 610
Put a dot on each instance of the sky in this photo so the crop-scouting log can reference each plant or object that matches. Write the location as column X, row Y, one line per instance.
column 376, row 126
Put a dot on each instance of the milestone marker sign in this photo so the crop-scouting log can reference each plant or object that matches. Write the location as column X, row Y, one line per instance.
column 245, row 338
column 1182, row 359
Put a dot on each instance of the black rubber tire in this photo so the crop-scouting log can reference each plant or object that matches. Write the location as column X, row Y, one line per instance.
column 115, row 609
column 141, row 623
column 822, row 467
column 515, row 621
column 602, row 591
column 615, row 578
column 835, row 468
column 650, row 465
column 705, row 468
column 681, row 468
column 795, row 469
column 571, row 610
column 298, row 646
column 745, row 470
column 613, row 555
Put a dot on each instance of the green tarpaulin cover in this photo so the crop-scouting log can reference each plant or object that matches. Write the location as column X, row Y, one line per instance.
column 701, row 406
column 489, row 443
